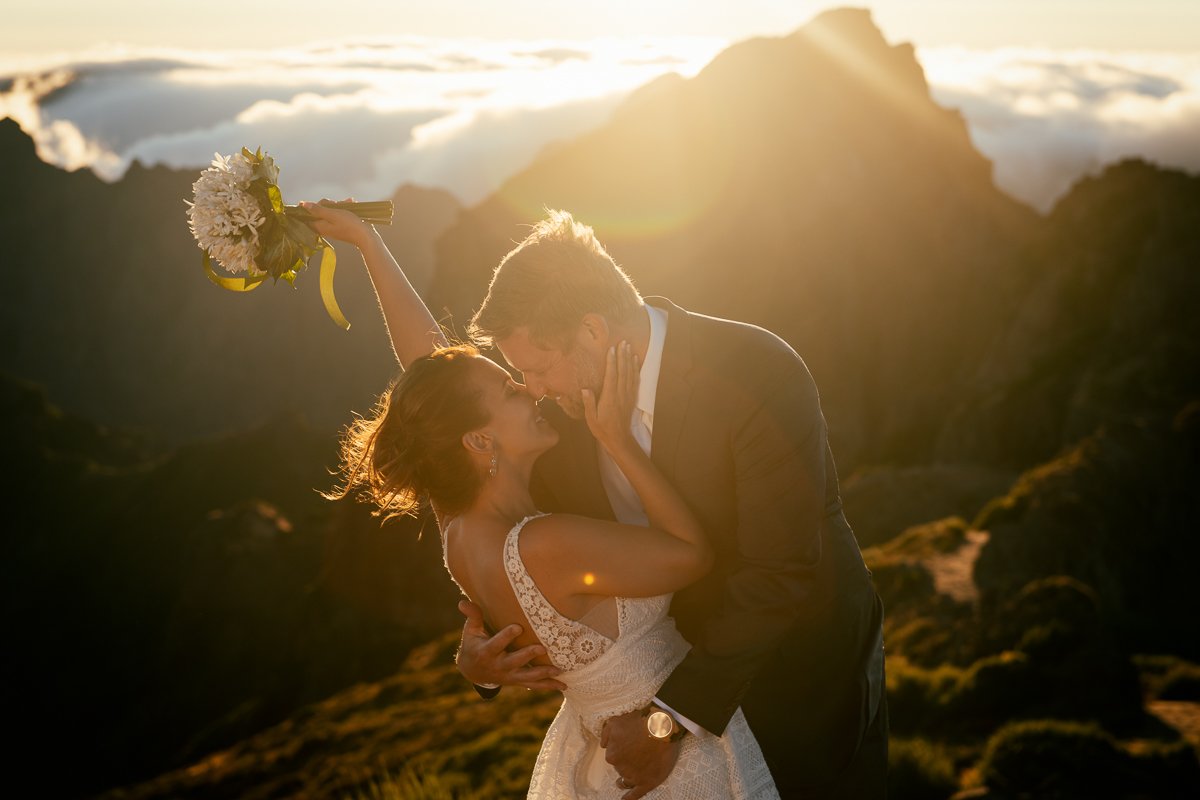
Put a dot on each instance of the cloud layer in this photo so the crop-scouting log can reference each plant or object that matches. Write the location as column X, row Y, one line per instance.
column 1046, row 118
column 347, row 119
column 362, row 118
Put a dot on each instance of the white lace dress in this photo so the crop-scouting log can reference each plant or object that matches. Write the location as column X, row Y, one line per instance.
column 607, row 677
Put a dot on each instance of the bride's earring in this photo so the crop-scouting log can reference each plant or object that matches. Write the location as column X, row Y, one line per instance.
column 494, row 468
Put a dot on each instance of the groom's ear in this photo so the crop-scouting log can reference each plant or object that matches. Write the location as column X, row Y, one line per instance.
column 477, row 442
column 594, row 330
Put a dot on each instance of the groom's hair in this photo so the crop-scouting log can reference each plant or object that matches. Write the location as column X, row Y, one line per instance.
column 549, row 281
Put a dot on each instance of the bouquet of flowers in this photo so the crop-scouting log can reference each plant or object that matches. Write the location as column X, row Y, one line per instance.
column 239, row 219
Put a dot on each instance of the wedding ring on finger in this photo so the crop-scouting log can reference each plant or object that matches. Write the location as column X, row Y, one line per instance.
column 623, row 784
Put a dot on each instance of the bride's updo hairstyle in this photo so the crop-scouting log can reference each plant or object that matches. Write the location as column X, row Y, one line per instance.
column 410, row 447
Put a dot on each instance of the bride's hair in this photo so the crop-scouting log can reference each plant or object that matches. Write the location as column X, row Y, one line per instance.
column 410, row 446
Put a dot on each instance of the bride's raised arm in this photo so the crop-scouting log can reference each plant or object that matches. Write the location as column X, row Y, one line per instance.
column 413, row 330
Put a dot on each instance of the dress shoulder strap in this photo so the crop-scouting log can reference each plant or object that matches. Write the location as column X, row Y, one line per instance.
column 569, row 644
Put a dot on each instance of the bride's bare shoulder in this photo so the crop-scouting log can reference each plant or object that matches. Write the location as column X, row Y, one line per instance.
column 547, row 526
column 554, row 535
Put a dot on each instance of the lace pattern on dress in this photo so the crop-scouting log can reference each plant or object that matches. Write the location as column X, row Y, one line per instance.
column 569, row 644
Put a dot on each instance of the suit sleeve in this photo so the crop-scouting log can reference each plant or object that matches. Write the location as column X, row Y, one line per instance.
column 778, row 448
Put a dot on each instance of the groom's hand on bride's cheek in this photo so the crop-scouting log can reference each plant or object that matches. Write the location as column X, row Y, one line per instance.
column 644, row 762
column 484, row 659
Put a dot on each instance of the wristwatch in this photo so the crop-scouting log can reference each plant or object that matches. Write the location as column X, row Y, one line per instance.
column 661, row 724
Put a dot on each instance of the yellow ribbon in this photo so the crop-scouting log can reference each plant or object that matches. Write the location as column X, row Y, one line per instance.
column 232, row 284
column 328, row 265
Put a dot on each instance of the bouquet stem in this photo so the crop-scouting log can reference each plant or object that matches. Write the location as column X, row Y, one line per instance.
column 376, row 213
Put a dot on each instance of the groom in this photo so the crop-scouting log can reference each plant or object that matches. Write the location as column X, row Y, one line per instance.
column 787, row 625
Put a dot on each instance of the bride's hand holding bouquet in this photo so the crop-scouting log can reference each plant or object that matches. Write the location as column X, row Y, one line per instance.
column 330, row 221
column 412, row 329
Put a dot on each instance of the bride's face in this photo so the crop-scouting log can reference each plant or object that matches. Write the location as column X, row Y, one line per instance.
column 515, row 422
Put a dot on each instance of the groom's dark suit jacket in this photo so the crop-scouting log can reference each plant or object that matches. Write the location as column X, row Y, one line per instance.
column 787, row 624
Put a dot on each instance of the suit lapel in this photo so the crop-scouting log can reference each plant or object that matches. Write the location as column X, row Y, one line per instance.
column 674, row 386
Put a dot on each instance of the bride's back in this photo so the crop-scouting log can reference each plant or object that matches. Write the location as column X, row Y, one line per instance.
column 474, row 550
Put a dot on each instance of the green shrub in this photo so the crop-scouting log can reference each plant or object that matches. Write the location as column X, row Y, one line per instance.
column 1056, row 600
column 999, row 511
column 1154, row 670
column 919, row 770
column 916, row 695
column 1058, row 759
column 1155, row 666
column 1052, row 758
column 930, row 538
column 990, row 691
column 1043, row 642
column 1181, row 682
column 923, row 640
column 901, row 582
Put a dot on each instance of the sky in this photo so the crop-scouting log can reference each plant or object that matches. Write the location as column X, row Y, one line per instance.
column 40, row 26
column 355, row 99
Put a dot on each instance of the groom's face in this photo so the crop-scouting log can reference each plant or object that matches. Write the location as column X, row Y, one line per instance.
column 557, row 374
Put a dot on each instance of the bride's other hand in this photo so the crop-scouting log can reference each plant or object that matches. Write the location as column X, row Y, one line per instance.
column 609, row 416
column 485, row 660
column 334, row 223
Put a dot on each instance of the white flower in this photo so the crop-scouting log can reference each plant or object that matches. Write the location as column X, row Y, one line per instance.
column 224, row 216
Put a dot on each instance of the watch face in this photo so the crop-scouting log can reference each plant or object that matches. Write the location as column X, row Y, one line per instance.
column 660, row 724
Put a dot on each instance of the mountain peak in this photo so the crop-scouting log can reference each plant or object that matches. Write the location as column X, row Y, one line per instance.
column 851, row 37
column 838, row 59
column 852, row 23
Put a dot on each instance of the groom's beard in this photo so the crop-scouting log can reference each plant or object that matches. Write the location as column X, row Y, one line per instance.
column 589, row 374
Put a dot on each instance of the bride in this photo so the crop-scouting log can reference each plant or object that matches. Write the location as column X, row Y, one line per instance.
column 591, row 595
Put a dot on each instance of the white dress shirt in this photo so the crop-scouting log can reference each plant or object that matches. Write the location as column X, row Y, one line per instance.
column 624, row 500
column 626, row 504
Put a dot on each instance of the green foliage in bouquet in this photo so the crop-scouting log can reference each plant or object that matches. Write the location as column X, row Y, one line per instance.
column 286, row 242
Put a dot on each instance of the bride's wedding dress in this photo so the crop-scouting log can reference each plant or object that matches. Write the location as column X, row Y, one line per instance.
column 606, row 677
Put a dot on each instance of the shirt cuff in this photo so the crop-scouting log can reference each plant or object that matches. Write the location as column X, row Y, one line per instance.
column 692, row 727
column 486, row 693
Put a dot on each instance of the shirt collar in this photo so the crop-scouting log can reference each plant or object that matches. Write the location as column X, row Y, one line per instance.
column 652, row 364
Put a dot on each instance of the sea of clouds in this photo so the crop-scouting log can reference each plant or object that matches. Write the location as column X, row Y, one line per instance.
column 347, row 119
column 361, row 119
column 1046, row 118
